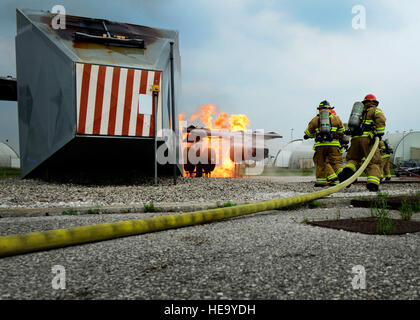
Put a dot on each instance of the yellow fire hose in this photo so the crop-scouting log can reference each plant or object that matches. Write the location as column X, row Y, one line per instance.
column 35, row 241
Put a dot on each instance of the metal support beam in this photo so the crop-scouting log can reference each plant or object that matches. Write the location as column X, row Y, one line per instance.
column 174, row 121
column 156, row 90
column 155, row 98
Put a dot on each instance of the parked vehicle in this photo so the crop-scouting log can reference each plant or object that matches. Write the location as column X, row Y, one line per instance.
column 409, row 165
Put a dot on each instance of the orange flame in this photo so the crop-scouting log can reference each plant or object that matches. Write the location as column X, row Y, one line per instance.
column 238, row 122
column 212, row 118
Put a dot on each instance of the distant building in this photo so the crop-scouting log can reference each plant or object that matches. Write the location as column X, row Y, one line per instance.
column 8, row 157
column 393, row 138
column 296, row 155
column 408, row 148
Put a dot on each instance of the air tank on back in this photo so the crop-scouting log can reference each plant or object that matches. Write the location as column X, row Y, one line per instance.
column 355, row 119
column 324, row 119
column 324, row 116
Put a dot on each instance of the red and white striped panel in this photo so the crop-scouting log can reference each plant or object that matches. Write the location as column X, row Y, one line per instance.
column 113, row 101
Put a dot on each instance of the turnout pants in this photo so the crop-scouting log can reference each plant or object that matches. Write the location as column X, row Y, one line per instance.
column 386, row 173
column 359, row 150
column 329, row 163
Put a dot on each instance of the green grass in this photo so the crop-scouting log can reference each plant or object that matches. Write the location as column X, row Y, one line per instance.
column 305, row 220
column 9, row 172
column 69, row 212
column 150, row 207
column 229, row 204
column 382, row 196
column 408, row 208
column 315, row 204
column 384, row 221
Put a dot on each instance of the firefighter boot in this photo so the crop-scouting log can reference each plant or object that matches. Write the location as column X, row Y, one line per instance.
column 320, row 185
column 345, row 174
column 372, row 187
column 334, row 182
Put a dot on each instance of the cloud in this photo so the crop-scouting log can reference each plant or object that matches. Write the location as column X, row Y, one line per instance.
column 275, row 60
column 277, row 69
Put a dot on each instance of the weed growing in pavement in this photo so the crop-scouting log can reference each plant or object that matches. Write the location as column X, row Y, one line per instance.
column 406, row 211
column 384, row 221
column 124, row 211
column 382, row 196
column 408, row 208
column 315, row 204
column 69, row 212
column 93, row 211
column 229, row 204
column 305, row 220
column 150, row 207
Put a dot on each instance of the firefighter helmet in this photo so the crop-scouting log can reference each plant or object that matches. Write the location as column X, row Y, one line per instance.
column 370, row 97
column 325, row 104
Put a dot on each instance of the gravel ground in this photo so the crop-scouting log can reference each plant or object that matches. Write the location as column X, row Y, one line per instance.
column 17, row 193
column 269, row 255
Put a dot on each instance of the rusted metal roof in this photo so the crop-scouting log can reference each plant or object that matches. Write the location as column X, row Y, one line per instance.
column 90, row 52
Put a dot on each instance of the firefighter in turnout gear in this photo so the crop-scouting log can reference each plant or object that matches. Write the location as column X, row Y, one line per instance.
column 366, row 122
column 385, row 154
column 327, row 129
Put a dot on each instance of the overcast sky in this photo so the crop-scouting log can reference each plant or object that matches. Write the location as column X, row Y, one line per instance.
column 271, row 60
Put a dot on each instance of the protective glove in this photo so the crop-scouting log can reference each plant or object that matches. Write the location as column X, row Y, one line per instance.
column 306, row 137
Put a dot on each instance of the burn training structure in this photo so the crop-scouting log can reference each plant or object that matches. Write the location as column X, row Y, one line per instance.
column 85, row 94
